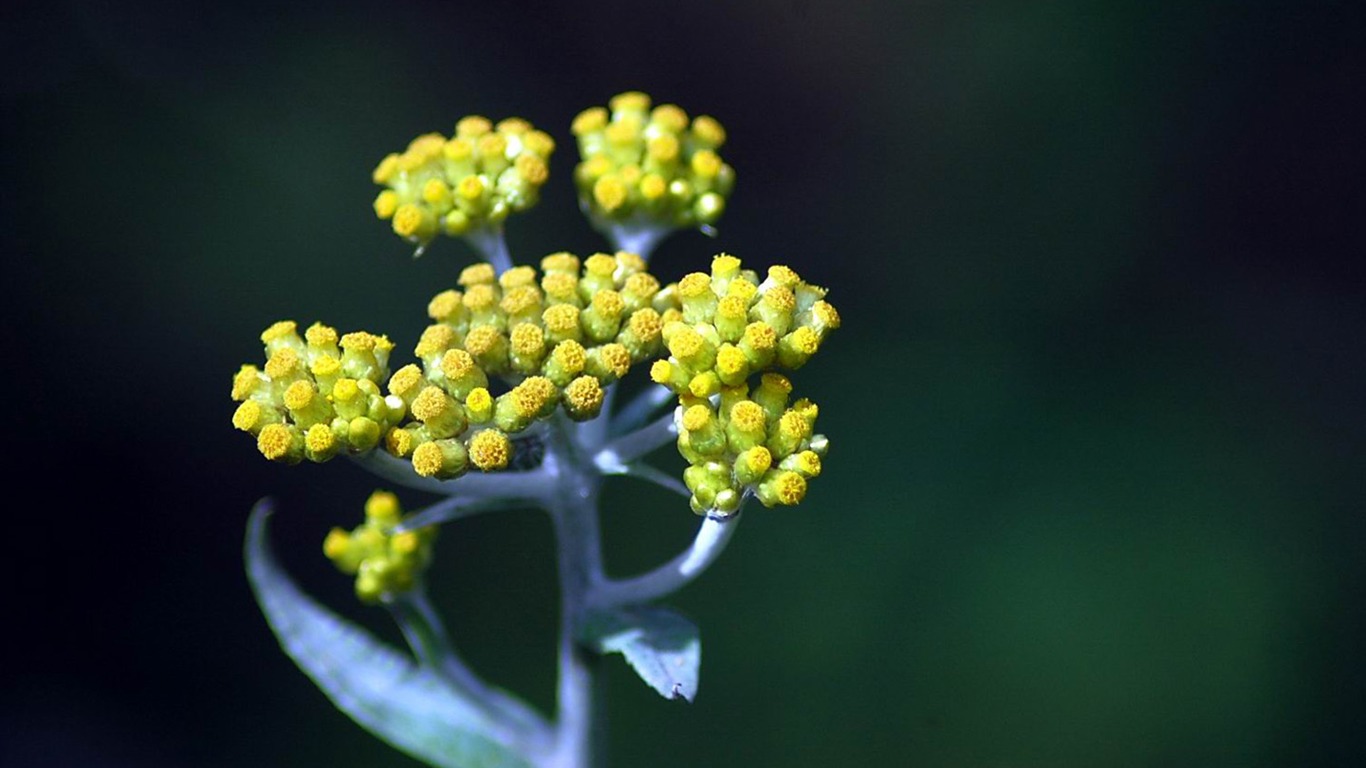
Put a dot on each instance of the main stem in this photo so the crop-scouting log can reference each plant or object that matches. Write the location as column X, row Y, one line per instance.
column 574, row 514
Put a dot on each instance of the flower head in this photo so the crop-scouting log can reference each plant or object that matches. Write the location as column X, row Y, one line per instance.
column 645, row 168
column 317, row 395
column 466, row 182
column 740, row 436
column 384, row 562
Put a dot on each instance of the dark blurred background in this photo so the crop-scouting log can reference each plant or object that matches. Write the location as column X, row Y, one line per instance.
column 1095, row 493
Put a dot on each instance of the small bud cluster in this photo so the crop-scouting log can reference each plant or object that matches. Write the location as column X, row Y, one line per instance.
column 732, row 327
column 650, row 166
column 383, row 562
column 471, row 180
column 562, row 337
column 317, row 396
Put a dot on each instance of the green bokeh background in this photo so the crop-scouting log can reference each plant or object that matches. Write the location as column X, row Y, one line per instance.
column 1096, row 483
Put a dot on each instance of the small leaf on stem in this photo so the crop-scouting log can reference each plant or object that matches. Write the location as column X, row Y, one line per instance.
column 661, row 646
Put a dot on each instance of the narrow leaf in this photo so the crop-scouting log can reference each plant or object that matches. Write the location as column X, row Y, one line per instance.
column 660, row 645
column 379, row 687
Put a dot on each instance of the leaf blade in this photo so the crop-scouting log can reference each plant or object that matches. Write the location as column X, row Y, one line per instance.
column 663, row 647
column 378, row 687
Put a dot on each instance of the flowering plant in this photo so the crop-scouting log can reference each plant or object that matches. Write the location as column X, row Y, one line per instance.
column 510, row 403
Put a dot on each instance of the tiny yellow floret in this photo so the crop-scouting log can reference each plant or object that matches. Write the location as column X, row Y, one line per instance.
column 694, row 284
column 696, row 418
column 653, row 186
column 279, row 330
column 521, row 300
column 532, row 169
column 386, row 203
column 299, row 395
column 706, row 164
column 792, row 425
column 245, row 381
column 383, row 507
column 616, row 358
column 584, row 396
column 436, row 191
column 747, row 415
column 663, row 148
column 409, row 220
column 399, row 442
column 359, row 341
column 336, row 544
column 600, row 264
column 386, row 169
column 661, row 372
column 428, row 460
column 444, row 305
column 479, row 404
column 560, row 262
column 527, row 340
column 757, row 460
column 481, row 297
column 434, row 340
column 589, row 120
column 608, row 303
column 644, row 323
column 431, row 404
column 477, row 274
column 490, row 450
column 789, row 488
column 724, row 264
column 670, row 117
column 483, row 340
column 319, row 335
column 473, row 125
column 561, row 319
column 249, row 416
column 471, row 187
column 610, row 192
column 708, row 130
column 320, row 439
column 825, row 314
column 283, row 363
column 629, row 101
column 514, row 125
column 275, row 441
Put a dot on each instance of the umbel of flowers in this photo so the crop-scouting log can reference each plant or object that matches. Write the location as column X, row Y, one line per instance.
column 508, row 397
column 556, row 341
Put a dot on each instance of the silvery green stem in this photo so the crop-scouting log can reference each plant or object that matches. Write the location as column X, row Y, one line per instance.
column 712, row 537
column 473, row 485
column 427, row 636
column 492, row 245
column 627, row 448
column 641, row 408
column 574, row 514
column 640, row 239
column 454, row 508
column 653, row 475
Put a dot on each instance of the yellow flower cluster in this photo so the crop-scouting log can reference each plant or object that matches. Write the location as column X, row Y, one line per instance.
column 473, row 179
column 562, row 336
column 650, row 166
column 731, row 327
column 317, row 396
column 383, row 562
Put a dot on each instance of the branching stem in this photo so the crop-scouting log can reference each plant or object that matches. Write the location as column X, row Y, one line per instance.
column 712, row 537
column 492, row 245
column 629, row 447
column 427, row 636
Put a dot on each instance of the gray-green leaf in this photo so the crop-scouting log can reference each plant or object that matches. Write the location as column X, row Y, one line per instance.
column 660, row 645
column 379, row 687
